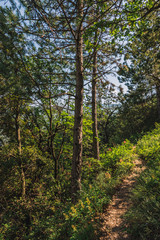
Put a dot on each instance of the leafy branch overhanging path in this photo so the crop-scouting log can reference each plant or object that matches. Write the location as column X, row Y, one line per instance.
column 112, row 222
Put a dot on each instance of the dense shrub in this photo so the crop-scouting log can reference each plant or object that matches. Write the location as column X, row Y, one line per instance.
column 118, row 160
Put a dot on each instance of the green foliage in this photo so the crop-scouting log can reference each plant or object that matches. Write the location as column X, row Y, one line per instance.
column 118, row 159
column 149, row 146
column 90, row 168
column 87, row 132
column 133, row 120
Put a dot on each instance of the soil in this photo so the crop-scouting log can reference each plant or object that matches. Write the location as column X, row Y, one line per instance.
column 113, row 226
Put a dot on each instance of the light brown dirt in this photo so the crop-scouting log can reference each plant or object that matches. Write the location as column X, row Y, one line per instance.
column 112, row 218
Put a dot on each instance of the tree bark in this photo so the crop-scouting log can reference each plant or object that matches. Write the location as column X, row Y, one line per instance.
column 18, row 137
column 78, row 121
column 158, row 100
column 94, row 105
column 51, row 139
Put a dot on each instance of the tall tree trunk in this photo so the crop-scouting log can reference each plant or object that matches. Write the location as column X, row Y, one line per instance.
column 18, row 138
column 94, row 104
column 158, row 100
column 78, row 121
column 51, row 140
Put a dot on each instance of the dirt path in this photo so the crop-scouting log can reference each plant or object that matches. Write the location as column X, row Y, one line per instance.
column 112, row 222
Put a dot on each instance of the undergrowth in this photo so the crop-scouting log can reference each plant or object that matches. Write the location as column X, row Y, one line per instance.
column 50, row 214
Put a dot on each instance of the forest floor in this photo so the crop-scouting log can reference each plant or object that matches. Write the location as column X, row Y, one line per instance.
column 112, row 224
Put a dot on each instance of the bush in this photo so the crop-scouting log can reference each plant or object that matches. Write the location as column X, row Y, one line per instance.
column 118, row 160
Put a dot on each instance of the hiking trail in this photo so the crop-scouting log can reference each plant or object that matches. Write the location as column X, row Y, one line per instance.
column 111, row 218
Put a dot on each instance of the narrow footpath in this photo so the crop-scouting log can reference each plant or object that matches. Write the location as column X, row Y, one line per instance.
column 112, row 217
